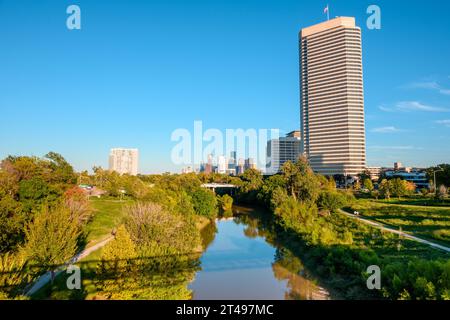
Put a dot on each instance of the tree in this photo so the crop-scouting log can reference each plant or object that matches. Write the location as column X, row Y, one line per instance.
column 268, row 188
column 52, row 238
column 375, row 194
column 301, row 181
column 150, row 224
column 116, row 268
column 115, row 254
column 331, row 201
column 442, row 192
column 442, row 177
column 399, row 187
column 385, row 188
column 34, row 189
column 78, row 204
column 364, row 175
column 226, row 204
column 61, row 171
column 12, row 220
column 250, row 185
column 205, row 203
column 368, row 184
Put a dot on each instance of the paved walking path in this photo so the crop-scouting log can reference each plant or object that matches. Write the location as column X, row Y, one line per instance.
column 403, row 234
column 45, row 278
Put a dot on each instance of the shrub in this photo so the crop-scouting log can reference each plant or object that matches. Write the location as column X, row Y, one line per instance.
column 205, row 203
column 331, row 201
column 226, row 205
column 149, row 224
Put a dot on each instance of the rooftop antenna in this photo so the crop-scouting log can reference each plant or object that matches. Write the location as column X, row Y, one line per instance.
column 327, row 11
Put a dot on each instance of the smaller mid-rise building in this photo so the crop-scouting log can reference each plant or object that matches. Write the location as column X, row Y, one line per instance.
column 282, row 150
column 374, row 172
column 418, row 176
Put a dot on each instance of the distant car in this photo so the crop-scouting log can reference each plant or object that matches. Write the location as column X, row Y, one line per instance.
column 356, row 213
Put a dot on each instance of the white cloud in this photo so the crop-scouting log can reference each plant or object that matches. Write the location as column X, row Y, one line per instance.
column 389, row 129
column 445, row 122
column 406, row 106
column 430, row 85
column 385, row 109
column 418, row 106
column 424, row 85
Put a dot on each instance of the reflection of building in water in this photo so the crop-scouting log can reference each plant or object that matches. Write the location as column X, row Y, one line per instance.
column 300, row 288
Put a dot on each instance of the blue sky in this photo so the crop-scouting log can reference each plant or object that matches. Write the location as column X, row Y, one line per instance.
column 138, row 70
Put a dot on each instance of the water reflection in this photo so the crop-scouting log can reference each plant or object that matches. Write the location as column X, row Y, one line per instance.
column 243, row 262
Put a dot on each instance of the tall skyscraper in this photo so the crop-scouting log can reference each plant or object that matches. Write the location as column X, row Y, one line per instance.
column 124, row 161
column 282, row 150
column 332, row 100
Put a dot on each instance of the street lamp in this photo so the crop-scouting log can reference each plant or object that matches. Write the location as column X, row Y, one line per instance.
column 434, row 178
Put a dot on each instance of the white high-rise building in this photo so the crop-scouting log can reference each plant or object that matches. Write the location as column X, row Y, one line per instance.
column 282, row 150
column 332, row 99
column 222, row 165
column 124, row 161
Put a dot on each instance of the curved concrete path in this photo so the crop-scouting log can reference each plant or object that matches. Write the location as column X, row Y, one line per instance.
column 47, row 277
column 403, row 234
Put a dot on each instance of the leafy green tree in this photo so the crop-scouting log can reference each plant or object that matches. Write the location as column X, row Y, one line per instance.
column 279, row 195
column 52, row 238
column 226, row 204
column 364, row 175
column 34, row 189
column 331, row 201
column 399, row 187
column 368, row 185
column 375, row 194
column 442, row 177
column 117, row 253
column 266, row 192
column 205, row 203
column 12, row 221
column 385, row 188
column 252, row 180
column 117, row 266
column 301, row 181
column 61, row 171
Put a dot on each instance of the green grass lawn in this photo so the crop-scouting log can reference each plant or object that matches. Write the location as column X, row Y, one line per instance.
column 430, row 222
column 107, row 214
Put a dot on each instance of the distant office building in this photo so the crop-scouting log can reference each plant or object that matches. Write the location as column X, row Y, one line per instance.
column 240, row 167
column 222, row 165
column 124, row 161
column 187, row 170
column 233, row 155
column 282, row 150
column 398, row 165
column 249, row 164
column 232, row 161
column 332, row 101
column 374, row 172
column 417, row 176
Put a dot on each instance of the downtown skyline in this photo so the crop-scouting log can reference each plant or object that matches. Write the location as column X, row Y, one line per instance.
column 145, row 78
